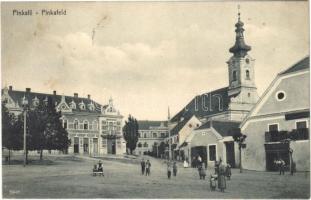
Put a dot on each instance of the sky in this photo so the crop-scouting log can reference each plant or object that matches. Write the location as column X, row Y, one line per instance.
column 147, row 56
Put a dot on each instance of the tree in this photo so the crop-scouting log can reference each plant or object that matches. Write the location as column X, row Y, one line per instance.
column 130, row 133
column 240, row 139
column 55, row 134
column 11, row 131
column 161, row 148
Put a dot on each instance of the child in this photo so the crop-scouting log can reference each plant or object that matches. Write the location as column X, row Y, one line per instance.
column 213, row 182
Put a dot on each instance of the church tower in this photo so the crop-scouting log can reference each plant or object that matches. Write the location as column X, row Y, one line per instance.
column 242, row 90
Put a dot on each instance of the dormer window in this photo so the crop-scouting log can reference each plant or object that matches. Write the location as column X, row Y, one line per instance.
column 72, row 105
column 45, row 101
column 82, row 105
column 91, row 106
column 35, row 101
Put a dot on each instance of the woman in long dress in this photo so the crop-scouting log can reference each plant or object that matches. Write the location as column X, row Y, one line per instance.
column 222, row 178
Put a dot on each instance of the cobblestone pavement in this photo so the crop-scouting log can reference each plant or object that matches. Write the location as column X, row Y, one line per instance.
column 70, row 177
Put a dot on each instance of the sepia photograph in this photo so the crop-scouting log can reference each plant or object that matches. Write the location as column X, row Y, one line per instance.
column 155, row 100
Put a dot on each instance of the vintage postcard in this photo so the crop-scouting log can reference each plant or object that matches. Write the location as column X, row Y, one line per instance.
column 175, row 99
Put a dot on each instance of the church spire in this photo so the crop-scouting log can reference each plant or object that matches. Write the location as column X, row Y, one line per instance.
column 239, row 49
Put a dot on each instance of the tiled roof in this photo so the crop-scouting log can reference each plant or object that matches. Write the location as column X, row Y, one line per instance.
column 224, row 128
column 17, row 96
column 302, row 64
column 203, row 101
column 146, row 124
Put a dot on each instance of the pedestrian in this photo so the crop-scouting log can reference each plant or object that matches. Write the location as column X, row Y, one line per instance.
column 148, row 166
column 199, row 159
column 100, row 166
column 221, row 177
column 228, row 171
column 213, row 182
column 282, row 167
column 216, row 166
column 293, row 168
column 186, row 165
column 202, row 171
column 143, row 165
column 169, row 170
column 174, row 169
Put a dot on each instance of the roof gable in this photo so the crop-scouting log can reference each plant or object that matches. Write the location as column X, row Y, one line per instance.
column 147, row 125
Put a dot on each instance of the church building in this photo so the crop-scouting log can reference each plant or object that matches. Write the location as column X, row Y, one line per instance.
column 224, row 105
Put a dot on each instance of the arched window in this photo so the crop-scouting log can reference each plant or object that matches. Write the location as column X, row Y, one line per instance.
column 247, row 75
column 85, row 125
column 234, row 78
column 145, row 144
column 76, row 124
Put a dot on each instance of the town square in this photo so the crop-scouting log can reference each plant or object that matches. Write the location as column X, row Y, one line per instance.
column 155, row 100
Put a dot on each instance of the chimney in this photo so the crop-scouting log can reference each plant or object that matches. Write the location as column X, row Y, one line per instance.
column 28, row 90
column 10, row 88
column 54, row 92
column 75, row 95
column 89, row 96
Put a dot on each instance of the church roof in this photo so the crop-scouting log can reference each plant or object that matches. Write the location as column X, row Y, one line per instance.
column 147, row 125
column 204, row 105
column 17, row 97
column 224, row 128
column 302, row 64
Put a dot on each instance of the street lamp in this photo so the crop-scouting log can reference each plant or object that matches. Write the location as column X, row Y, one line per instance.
column 25, row 107
column 240, row 138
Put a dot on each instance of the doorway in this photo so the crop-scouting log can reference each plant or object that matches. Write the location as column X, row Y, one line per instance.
column 274, row 152
column 76, row 145
column 111, row 143
column 230, row 153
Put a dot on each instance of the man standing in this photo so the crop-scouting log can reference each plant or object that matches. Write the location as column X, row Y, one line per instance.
column 143, row 165
column 148, row 166
column 174, row 169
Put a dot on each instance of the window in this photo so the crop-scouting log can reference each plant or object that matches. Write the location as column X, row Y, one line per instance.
column 247, row 75
column 85, row 125
column 139, row 145
column 65, row 124
column 145, row 144
column 212, row 152
column 280, row 95
column 249, row 94
column 273, row 127
column 75, row 124
column 247, row 61
column 145, row 135
column 234, row 76
column 73, row 105
column 162, row 135
column 301, row 125
column 154, row 135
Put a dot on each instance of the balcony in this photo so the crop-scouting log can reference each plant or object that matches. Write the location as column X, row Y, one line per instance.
column 295, row 134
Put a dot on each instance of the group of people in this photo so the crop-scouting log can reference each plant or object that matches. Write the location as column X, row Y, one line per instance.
column 222, row 171
column 281, row 166
column 171, row 167
column 145, row 167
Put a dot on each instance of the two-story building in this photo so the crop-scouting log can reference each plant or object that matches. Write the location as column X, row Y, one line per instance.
column 151, row 134
column 278, row 125
column 93, row 129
